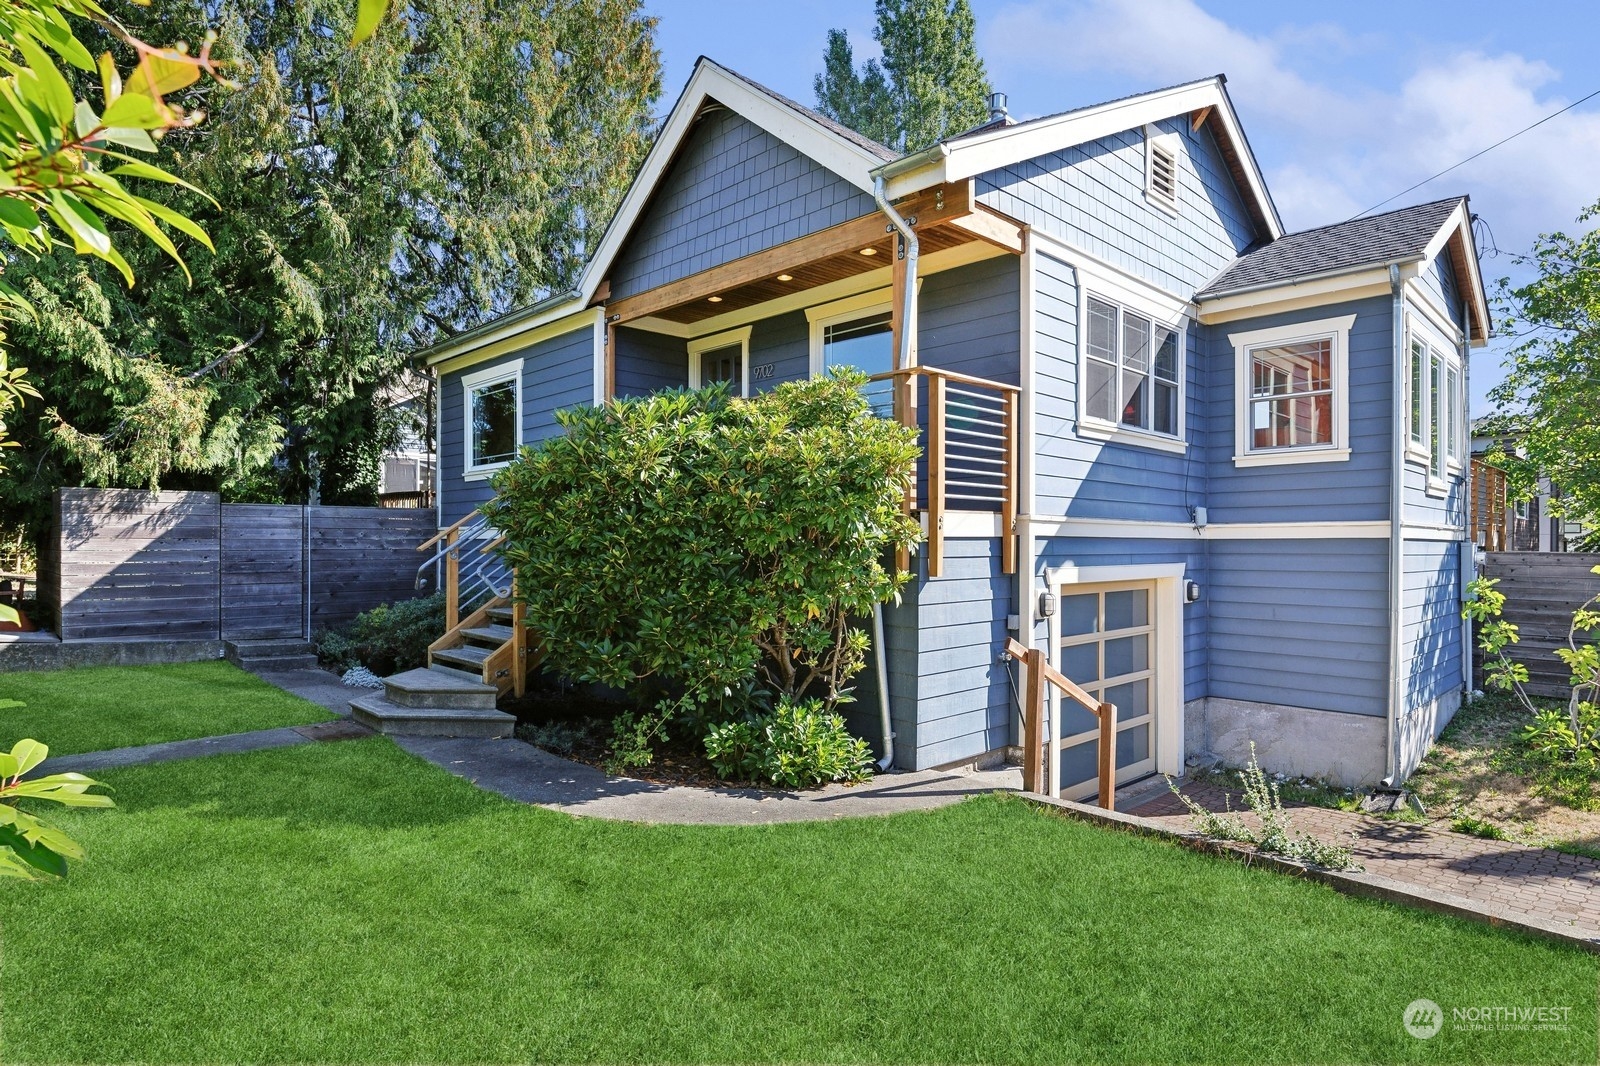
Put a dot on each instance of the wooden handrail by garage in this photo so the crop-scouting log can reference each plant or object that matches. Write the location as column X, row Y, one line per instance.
column 1035, row 742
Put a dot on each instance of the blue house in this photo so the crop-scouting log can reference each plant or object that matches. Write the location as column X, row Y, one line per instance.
column 1215, row 469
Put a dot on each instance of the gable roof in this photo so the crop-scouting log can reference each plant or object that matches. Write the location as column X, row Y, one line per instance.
column 1376, row 240
column 993, row 146
column 1406, row 236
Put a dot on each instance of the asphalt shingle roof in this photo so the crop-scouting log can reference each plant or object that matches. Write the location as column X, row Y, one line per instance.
column 1361, row 242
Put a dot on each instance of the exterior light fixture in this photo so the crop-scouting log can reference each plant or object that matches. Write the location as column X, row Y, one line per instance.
column 1191, row 592
column 785, row 277
column 714, row 299
column 869, row 250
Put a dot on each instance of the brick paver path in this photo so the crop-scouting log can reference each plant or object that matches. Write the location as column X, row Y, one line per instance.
column 1545, row 884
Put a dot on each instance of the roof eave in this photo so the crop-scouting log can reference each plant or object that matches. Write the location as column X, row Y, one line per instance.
column 509, row 324
column 1205, row 295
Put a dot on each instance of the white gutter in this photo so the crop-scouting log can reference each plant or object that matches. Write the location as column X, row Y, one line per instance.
column 908, row 323
column 1397, row 473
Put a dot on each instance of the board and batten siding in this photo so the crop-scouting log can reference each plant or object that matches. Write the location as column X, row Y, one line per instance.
column 734, row 190
column 1086, row 478
column 557, row 372
column 1300, row 623
column 1092, row 196
column 1356, row 489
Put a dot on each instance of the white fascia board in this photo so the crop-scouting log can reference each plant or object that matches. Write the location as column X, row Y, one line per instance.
column 1459, row 224
column 968, row 157
column 513, row 336
column 1307, row 292
column 711, row 82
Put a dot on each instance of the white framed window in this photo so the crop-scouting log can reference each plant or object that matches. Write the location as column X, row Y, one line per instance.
column 722, row 357
column 1161, row 170
column 1292, row 393
column 1435, row 406
column 1132, row 374
column 856, row 332
column 492, row 418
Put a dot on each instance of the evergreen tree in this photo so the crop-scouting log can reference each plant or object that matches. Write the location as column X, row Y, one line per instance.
column 929, row 84
column 368, row 201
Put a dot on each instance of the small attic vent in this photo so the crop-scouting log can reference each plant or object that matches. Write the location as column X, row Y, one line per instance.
column 1162, row 186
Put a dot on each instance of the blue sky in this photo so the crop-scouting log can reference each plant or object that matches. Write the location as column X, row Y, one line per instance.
column 1345, row 104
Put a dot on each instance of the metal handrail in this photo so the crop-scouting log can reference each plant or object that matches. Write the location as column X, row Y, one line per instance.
column 482, row 575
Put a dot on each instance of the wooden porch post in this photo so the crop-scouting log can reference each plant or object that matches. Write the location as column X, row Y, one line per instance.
column 1107, row 713
column 935, row 508
column 1008, row 495
column 452, row 581
column 1033, row 724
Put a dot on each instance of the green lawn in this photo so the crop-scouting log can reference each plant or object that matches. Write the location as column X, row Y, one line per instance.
column 97, row 707
column 343, row 902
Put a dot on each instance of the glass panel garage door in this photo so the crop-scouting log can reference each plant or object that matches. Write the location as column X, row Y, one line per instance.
column 1108, row 647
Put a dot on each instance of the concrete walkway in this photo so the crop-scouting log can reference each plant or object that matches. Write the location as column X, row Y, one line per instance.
column 1548, row 886
column 231, row 744
column 530, row 775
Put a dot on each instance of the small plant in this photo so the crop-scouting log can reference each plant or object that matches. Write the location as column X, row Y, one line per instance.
column 796, row 745
column 1277, row 834
column 634, row 736
column 387, row 639
column 561, row 738
column 1473, row 826
column 30, row 848
column 1562, row 752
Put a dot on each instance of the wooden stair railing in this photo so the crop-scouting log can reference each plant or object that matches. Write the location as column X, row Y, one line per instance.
column 971, row 449
column 1037, row 737
column 486, row 580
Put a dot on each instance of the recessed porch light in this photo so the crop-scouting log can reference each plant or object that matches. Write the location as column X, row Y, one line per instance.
column 785, row 277
column 714, row 299
column 869, row 250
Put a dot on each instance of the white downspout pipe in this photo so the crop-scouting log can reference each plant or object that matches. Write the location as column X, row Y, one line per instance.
column 1397, row 472
column 908, row 318
column 1464, row 442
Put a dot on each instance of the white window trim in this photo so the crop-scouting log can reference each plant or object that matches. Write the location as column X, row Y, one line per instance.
column 511, row 371
column 715, row 341
column 1420, row 326
column 1163, row 316
column 849, row 309
column 1163, row 309
column 1170, row 143
column 1334, row 329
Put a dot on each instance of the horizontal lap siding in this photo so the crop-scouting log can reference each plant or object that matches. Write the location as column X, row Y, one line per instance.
column 649, row 361
column 1300, row 623
column 1356, row 489
column 784, row 342
column 556, row 373
column 734, row 190
column 969, row 320
column 1092, row 196
column 1103, row 551
column 963, row 696
column 1431, row 634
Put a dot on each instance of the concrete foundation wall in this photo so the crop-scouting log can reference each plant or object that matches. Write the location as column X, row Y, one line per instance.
column 1346, row 749
column 53, row 655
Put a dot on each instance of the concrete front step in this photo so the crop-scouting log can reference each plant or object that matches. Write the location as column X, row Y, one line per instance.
column 282, row 654
column 377, row 713
column 438, row 687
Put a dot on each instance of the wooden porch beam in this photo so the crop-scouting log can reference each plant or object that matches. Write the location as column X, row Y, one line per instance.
column 931, row 208
column 991, row 227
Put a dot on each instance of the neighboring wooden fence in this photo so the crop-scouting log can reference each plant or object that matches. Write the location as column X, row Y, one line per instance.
column 1542, row 590
column 131, row 565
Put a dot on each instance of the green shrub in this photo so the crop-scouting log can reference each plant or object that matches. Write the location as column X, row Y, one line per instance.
column 703, row 544
column 796, row 745
column 1562, row 753
column 386, row 639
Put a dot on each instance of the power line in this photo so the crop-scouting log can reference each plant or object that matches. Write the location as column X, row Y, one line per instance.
column 1474, row 155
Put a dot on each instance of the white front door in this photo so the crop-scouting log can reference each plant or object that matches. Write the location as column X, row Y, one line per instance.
column 1108, row 645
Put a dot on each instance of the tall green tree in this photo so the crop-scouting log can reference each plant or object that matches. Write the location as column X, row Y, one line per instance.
column 1550, row 396
column 367, row 202
column 929, row 84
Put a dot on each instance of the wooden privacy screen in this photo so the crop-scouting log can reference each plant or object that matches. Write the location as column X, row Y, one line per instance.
column 123, row 564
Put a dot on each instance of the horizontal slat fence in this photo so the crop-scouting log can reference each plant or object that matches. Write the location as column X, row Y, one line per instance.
column 1542, row 589
column 131, row 565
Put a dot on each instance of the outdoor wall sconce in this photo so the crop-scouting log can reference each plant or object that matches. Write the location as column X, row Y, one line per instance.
column 1191, row 591
column 1047, row 605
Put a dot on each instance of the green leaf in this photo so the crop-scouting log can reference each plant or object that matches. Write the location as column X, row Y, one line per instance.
column 88, row 232
column 15, row 212
column 368, row 14
column 38, row 856
column 175, row 219
column 133, row 110
column 54, row 95
column 136, row 169
column 28, row 753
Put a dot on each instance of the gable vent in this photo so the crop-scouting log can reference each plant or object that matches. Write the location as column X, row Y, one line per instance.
column 1163, row 189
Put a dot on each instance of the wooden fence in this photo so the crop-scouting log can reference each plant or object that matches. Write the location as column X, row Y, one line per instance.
column 130, row 565
column 1542, row 590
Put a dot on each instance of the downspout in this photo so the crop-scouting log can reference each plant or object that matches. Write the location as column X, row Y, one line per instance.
column 908, row 317
column 1464, row 548
column 1397, row 473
